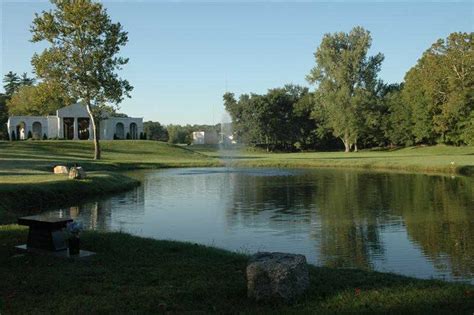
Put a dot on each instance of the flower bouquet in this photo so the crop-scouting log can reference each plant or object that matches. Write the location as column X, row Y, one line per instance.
column 73, row 230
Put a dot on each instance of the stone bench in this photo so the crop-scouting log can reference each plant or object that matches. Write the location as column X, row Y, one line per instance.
column 46, row 231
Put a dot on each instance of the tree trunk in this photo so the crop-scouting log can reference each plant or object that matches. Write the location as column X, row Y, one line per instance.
column 96, row 133
column 347, row 145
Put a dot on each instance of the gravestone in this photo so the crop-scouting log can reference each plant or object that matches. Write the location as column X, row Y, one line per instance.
column 277, row 276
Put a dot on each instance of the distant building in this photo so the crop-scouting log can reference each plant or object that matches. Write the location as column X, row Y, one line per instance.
column 73, row 123
column 205, row 137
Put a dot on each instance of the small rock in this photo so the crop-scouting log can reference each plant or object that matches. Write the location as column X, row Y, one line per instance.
column 77, row 173
column 60, row 169
column 276, row 276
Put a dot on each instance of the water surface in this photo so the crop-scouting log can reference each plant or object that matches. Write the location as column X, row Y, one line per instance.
column 415, row 225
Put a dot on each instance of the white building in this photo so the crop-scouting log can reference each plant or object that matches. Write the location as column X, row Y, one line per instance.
column 73, row 123
column 205, row 137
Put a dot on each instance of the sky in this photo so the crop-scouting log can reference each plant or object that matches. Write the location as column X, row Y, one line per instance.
column 184, row 55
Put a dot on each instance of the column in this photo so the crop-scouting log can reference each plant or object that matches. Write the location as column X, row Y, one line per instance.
column 76, row 129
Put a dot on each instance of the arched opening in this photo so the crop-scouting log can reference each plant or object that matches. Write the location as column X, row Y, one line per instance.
column 68, row 127
column 21, row 131
column 37, row 130
column 83, row 125
column 119, row 131
column 133, row 131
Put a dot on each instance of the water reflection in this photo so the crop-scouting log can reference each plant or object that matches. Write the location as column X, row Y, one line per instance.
column 415, row 225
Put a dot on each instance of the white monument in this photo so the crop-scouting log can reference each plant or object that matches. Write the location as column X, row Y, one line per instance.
column 73, row 123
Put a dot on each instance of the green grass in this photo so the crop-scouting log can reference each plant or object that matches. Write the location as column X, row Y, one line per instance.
column 27, row 182
column 26, row 179
column 135, row 275
column 435, row 159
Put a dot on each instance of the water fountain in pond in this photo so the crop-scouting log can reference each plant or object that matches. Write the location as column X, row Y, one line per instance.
column 227, row 145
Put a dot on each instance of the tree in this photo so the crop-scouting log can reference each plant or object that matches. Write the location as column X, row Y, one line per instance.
column 3, row 117
column 155, row 131
column 346, row 79
column 38, row 100
column 11, row 82
column 83, row 55
column 26, row 81
column 440, row 89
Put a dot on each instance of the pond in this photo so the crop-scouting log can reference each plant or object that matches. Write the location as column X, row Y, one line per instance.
column 414, row 225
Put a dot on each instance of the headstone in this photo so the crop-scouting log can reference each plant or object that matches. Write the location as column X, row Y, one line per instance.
column 60, row 169
column 276, row 276
column 77, row 173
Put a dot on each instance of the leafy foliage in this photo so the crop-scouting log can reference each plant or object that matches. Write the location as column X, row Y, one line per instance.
column 440, row 91
column 83, row 54
column 346, row 79
column 38, row 100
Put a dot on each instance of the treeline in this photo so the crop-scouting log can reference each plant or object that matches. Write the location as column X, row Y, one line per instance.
column 175, row 134
column 351, row 107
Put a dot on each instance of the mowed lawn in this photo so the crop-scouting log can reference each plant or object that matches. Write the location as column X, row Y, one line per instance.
column 28, row 185
column 29, row 158
column 132, row 275
column 424, row 159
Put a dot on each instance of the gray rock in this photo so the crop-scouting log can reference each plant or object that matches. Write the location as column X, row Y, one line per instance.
column 276, row 276
column 60, row 169
column 77, row 173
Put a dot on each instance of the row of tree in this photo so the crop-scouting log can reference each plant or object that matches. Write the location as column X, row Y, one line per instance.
column 176, row 134
column 435, row 103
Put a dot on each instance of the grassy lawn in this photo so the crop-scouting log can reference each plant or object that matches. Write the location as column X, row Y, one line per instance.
column 136, row 275
column 435, row 159
column 27, row 182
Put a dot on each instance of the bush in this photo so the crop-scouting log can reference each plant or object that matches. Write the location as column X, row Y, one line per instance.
column 142, row 136
column 45, row 137
column 115, row 136
column 30, row 135
column 13, row 136
column 128, row 136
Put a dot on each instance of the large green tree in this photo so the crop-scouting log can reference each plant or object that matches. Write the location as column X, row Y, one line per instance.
column 83, row 55
column 440, row 91
column 38, row 100
column 346, row 79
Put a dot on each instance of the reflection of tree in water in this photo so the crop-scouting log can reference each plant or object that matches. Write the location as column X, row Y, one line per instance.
column 351, row 207
column 347, row 212
column 99, row 215
column 277, row 202
column 439, row 215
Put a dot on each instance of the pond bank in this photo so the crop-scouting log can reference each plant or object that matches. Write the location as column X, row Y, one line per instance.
column 26, row 180
column 133, row 274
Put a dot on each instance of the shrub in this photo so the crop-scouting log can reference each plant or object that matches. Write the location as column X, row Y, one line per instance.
column 13, row 136
column 128, row 136
column 115, row 136
column 142, row 136
column 45, row 137
column 30, row 135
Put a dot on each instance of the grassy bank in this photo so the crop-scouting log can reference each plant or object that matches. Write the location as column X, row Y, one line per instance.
column 435, row 159
column 27, row 182
column 136, row 275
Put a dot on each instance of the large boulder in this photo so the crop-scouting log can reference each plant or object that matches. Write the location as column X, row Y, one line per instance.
column 60, row 169
column 77, row 173
column 276, row 276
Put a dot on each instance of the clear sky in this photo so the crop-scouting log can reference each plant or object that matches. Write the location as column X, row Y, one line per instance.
column 185, row 54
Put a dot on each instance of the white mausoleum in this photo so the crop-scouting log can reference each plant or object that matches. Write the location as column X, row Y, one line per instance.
column 73, row 123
